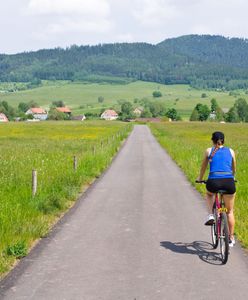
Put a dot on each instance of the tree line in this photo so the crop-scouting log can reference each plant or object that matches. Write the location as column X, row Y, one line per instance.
column 149, row 109
column 202, row 61
column 237, row 113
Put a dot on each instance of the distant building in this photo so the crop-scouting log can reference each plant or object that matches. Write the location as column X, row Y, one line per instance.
column 66, row 110
column 212, row 115
column 37, row 113
column 138, row 111
column 109, row 114
column 79, row 118
column 3, row 118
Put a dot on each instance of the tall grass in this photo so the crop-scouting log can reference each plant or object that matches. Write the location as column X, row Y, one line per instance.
column 186, row 143
column 49, row 148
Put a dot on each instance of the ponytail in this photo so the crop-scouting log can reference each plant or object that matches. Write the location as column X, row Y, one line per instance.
column 210, row 158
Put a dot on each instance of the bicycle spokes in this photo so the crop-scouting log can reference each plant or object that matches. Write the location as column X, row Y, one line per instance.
column 224, row 239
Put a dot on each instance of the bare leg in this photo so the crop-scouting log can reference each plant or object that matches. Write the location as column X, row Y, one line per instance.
column 229, row 203
column 210, row 201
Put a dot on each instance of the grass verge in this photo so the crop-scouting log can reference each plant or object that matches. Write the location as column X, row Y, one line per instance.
column 48, row 147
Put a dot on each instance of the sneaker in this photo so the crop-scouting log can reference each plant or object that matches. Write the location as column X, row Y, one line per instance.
column 232, row 242
column 210, row 220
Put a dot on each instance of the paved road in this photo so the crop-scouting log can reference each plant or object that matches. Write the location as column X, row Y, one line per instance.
column 136, row 234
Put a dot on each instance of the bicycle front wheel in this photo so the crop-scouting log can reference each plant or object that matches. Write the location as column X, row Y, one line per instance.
column 214, row 231
column 224, row 239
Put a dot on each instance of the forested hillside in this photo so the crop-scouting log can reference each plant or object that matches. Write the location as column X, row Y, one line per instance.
column 202, row 61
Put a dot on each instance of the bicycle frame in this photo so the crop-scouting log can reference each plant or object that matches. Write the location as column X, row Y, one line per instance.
column 220, row 207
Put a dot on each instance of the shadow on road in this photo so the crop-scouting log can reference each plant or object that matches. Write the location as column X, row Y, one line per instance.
column 200, row 248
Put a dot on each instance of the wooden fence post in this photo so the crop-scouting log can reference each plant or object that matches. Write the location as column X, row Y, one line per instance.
column 34, row 182
column 75, row 163
column 94, row 149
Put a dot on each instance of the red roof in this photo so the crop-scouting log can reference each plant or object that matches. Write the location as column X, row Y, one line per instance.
column 64, row 109
column 111, row 113
column 37, row 110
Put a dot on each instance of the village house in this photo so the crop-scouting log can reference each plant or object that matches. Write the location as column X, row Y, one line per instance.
column 212, row 115
column 109, row 114
column 66, row 110
column 138, row 111
column 3, row 118
column 37, row 113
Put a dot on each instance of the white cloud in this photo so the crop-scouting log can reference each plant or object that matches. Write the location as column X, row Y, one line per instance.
column 78, row 26
column 160, row 19
column 125, row 38
column 156, row 12
column 70, row 17
column 50, row 23
column 65, row 7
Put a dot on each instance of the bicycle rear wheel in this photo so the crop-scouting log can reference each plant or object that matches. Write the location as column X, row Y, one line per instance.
column 214, row 230
column 224, row 239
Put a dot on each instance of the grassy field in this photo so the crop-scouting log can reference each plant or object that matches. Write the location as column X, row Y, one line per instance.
column 83, row 97
column 49, row 148
column 186, row 143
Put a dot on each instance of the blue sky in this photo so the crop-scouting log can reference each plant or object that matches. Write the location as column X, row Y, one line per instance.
column 27, row 25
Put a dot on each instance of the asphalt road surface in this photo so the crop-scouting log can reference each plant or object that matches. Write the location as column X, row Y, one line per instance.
column 137, row 233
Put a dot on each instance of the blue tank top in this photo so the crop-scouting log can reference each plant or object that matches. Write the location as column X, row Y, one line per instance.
column 221, row 164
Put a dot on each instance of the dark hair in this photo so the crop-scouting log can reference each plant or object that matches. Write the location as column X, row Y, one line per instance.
column 218, row 137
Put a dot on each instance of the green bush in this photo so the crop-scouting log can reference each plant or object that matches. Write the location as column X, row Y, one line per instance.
column 157, row 94
column 17, row 250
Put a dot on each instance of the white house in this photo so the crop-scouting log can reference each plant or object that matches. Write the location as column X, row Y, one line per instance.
column 3, row 118
column 37, row 113
column 138, row 111
column 212, row 115
column 109, row 114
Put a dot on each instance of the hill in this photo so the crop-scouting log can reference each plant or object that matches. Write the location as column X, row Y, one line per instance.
column 83, row 98
column 203, row 61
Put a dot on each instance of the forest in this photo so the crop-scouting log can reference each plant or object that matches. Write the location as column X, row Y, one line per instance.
column 203, row 61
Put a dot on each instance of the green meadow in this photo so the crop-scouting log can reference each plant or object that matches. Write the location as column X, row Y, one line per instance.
column 186, row 143
column 49, row 148
column 83, row 97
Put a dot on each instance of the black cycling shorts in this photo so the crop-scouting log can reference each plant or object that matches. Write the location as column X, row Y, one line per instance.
column 226, row 184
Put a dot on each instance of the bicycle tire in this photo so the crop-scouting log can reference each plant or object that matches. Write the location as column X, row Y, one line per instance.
column 224, row 238
column 214, row 231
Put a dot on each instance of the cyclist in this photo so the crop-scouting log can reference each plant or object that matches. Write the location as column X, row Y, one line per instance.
column 221, row 177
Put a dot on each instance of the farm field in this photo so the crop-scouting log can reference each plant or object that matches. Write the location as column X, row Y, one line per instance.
column 83, row 97
column 48, row 147
column 186, row 143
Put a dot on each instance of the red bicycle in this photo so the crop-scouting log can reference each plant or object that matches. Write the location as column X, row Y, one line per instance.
column 219, row 229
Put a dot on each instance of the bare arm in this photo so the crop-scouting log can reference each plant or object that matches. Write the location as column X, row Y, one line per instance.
column 203, row 165
column 233, row 162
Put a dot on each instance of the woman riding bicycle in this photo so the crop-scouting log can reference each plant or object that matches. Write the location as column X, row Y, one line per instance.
column 221, row 177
